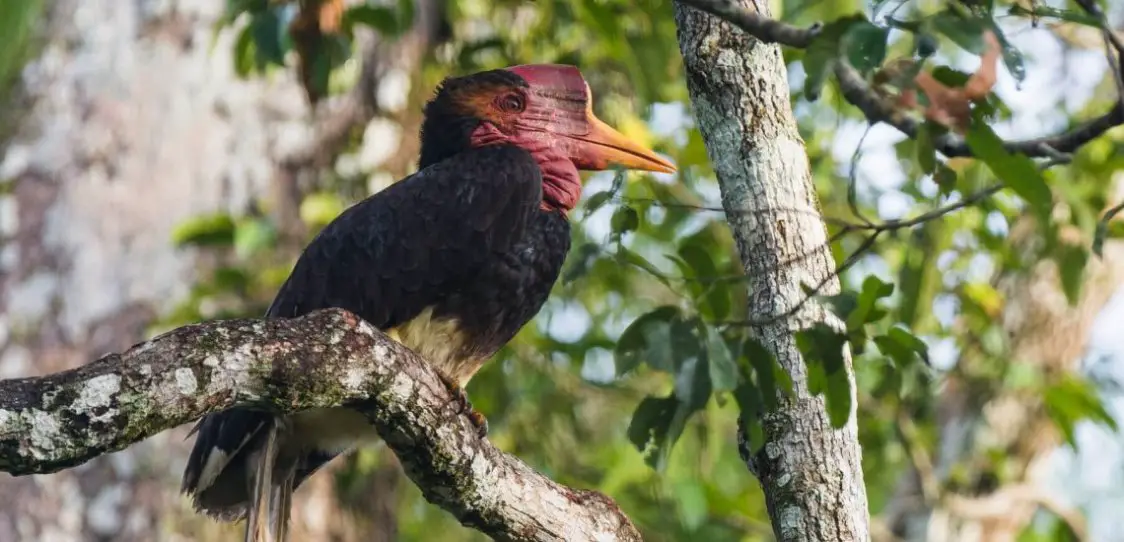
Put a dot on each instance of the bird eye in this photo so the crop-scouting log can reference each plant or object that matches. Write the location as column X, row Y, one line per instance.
column 511, row 102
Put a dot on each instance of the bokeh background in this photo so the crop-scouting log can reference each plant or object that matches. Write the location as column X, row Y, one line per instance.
column 162, row 162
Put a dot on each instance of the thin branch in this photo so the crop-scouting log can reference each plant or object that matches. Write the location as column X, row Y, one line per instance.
column 1112, row 43
column 814, row 290
column 967, row 201
column 853, row 181
column 327, row 358
column 876, row 109
column 719, row 209
column 763, row 28
column 846, row 227
column 858, row 93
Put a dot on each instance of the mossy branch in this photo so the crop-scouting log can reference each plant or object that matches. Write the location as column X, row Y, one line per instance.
column 327, row 358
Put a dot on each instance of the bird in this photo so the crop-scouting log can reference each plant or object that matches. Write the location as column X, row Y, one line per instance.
column 451, row 261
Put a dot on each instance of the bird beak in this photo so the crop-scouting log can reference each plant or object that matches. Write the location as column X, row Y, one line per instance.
column 603, row 145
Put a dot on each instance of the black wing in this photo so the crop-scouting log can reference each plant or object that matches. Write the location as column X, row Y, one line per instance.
column 386, row 259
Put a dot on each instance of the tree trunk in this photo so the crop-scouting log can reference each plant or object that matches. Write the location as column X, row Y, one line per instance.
column 135, row 124
column 811, row 473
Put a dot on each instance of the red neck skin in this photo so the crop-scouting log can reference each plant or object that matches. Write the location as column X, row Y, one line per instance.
column 561, row 183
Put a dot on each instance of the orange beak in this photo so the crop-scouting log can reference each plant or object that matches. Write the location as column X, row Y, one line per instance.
column 603, row 146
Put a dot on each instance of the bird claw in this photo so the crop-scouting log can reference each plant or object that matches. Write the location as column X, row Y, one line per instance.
column 464, row 406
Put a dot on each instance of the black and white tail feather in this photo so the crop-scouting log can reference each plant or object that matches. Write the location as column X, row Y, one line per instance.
column 244, row 466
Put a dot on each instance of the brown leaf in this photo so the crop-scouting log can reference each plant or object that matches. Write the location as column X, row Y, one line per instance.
column 316, row 19
column 330, row 14
column 983, row 80
column 952, row 106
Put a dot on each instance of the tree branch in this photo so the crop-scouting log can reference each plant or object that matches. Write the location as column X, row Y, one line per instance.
column 761, row 27
column 327, row 358
column 858, row 93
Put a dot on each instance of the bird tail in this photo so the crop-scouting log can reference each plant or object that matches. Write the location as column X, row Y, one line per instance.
column 270, row 499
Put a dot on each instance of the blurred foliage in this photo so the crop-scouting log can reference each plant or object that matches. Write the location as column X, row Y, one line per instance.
column 18, row 24
column 641, row 357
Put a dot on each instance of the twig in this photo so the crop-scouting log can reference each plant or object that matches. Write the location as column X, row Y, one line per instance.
column 719, row 209
column 328, row 358
column 1112, row 43
column 852, row 179
column 813, row 291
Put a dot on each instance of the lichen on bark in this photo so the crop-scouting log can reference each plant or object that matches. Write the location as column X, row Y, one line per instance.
column 325, row 359
column 811, row 473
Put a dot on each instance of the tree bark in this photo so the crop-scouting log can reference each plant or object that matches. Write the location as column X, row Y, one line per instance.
column 136, row 121
column 325, row 359
column 811, row 473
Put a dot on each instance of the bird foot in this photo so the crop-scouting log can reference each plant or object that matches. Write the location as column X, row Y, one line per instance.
column 464, row 406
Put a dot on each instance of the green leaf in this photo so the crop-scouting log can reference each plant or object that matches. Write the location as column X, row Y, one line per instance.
column 329, row 52
column 208, row 230
column 1015, row 170
column 926, row 152
column 691, row 497
column 1042, row 10
column 945, row 177
column 1071, row 260
column 865, row 45
column 321, row 208
column 625, row 219
column 1012, row 57
column 656, row 424
column 723, row 370
column 827, row 372
column 1070, row 400
column 842, row 304
column 902, row 346
column 382, row 19
column 751, row 401
column 648, row 340
column 405, row 14
column 234, row 8
column 637, row 260
column 231, row 279
column 866, row 308
column 772, row 380
column 244, row 53
column 253, row 236
column 580, row 262
column 269, row 33
column 692, row 375
column 822, row 52
column 666, row 341
column 966, row 32
column 597, row 201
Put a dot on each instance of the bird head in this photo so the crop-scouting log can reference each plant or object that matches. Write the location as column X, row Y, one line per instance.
column 546, row 109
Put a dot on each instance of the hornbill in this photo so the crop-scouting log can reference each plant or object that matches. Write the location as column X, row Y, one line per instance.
column 451, row 261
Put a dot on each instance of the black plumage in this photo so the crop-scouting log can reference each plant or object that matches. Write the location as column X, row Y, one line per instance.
column 464, row 239
column 452, row 261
